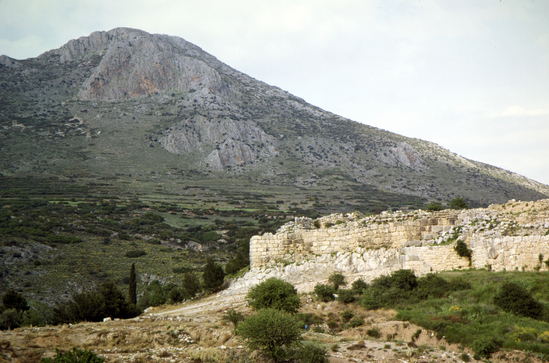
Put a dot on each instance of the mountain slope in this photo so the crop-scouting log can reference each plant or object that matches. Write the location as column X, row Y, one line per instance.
column 155, row 114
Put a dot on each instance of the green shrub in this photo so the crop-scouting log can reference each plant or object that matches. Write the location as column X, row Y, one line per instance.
column 416, row 335
column 14, row 300
column 391, row 291
column 191, row 284
column 180, row 270
column 272, row 331
column 462, row 250
column 311, row 353
column 346, row 315
column 359, row 286
column 433, row 207
column 484, row 348
column 337, row 280
column 324, row 292
column 458, row 203
column 356, row 321
column 10, row 319
column 432, row 285
column 373, row 332
column 74, row 356
column 276, row 294
column 135, row 253
column 515, row 299
column 309, row 318
column 403, row 280
column 177, row 295
column 345, row 296
column 213, row 275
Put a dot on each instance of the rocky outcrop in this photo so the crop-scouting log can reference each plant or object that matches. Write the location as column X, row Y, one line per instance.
column 8, row 62
column 234, row 142
column 401, row 154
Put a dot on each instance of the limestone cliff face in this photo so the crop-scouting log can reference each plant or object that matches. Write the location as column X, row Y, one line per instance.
column 234, row 142
column 135, row 63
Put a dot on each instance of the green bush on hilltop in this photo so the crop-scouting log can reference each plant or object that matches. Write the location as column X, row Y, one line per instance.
column 275, row 294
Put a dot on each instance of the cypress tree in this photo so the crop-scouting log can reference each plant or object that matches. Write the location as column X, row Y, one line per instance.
column 132, row 286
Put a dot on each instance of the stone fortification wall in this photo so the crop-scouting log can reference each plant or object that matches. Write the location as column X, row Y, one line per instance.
column 344, row 233
column 421, row 241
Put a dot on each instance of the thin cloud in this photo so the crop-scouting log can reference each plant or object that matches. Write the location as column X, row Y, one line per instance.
column 518, row 111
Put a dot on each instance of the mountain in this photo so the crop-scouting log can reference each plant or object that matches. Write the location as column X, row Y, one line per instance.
column 154, row 115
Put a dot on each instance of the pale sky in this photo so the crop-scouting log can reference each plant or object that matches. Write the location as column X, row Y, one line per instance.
column 469, row 75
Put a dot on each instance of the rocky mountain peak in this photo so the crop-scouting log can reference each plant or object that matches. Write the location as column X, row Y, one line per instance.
column 134, row 63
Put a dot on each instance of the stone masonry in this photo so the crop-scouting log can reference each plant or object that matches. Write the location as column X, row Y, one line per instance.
column 513, row 236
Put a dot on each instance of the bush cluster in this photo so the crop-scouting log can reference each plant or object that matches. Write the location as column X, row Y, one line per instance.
column 107, row 301
column 276, row 328
column 402, row 288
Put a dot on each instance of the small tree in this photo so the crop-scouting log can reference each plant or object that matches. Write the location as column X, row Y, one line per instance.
column 458, row 203
column 132, row 286
column 10, row 319
column 272, row 331
column 276, row 294
column 404, row 280
column 359, row 286
column 13, row 300
column 213, row 275
column 191, row 283
column 116, row 305
column 87, row 306
column 337, row 280
column 324, row 292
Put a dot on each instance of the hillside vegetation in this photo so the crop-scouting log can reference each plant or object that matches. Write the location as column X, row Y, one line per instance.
column 99, row 110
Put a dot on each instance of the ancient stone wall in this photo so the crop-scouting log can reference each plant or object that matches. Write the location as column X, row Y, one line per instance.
column 348, row 236
column 421, row 241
